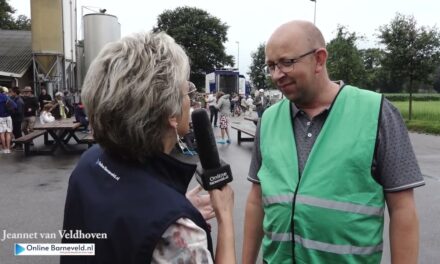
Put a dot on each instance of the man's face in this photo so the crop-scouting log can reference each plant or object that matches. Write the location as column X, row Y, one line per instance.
column 297, row 69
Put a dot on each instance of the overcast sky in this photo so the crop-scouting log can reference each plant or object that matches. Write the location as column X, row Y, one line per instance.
column 252, row 22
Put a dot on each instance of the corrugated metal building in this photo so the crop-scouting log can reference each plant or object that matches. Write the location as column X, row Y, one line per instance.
column 15, row 58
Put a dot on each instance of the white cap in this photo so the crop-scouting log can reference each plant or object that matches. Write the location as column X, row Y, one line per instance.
column 261, row 90
column 59, row 94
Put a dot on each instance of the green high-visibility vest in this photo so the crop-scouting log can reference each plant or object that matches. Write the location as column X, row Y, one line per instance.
column 337, row 210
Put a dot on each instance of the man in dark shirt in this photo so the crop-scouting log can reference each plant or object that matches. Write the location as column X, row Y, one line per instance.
column 44, row 98
column 30, row 110
column 18, row 116
column 296, row 60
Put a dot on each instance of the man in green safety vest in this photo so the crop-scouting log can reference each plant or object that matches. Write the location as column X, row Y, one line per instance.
column 326, row 160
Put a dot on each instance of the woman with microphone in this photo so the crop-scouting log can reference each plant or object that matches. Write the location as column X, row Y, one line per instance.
column 137, row 98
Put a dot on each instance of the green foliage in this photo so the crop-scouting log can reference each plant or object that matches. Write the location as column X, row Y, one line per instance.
column 201, row 34
column 8, row 22
column 256, row 72
column 23, row 23
column 6, row 11
column 436, row 77
column 373, row 70
column 411, row 52
column 345, row 61
column 423, row 126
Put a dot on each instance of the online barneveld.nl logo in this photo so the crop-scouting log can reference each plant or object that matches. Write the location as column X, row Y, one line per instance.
column 21, row 249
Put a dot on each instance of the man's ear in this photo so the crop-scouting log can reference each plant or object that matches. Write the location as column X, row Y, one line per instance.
column 173, row 121
column 321, row 59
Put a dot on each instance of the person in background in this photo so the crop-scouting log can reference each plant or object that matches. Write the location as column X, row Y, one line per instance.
column 243, row 105
column 44, row 98
column 189, row 138
column 232, row 103
column 236, row 102
column 59, row 108
column 213, row 111
column 30, row 110
column 7, row 106
column 68, row 101
column 128, row 186
column 81, row 117
column 46, row 115
column 18, row 116
column 259, row 102
column 250, row 105
column 223, row 106
column 325, row 162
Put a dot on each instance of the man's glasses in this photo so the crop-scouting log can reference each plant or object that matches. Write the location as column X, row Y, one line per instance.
column 286, row 65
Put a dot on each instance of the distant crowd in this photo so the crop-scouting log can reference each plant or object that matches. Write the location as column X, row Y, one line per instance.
column 231, row 105
column 19, row 109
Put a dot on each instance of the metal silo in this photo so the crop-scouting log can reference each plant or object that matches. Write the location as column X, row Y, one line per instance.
column 99, row 29
column 47, row 27
column 70, row 40
column 53, row 36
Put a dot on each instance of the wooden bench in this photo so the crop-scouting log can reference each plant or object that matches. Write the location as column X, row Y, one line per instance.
column 26, row 140
column 89, row 140
column 252, row 119
column 245, row 130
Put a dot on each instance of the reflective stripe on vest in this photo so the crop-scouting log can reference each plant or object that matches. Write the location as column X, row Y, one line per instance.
column 312, row 244
column 324, row 203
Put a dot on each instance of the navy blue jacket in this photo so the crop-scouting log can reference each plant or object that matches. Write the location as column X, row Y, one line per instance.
column 18, row 116
column 133, row 204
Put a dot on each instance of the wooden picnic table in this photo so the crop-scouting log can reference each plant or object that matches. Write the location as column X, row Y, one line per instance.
column 61, row 131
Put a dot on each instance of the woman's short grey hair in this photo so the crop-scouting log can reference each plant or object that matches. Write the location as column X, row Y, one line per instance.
column 130, row 91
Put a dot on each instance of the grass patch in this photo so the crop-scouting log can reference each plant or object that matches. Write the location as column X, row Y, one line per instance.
column 422, row 126
column 425, row 117
column 404, row 97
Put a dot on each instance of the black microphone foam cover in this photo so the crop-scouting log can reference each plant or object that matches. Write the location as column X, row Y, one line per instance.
column 206, row 145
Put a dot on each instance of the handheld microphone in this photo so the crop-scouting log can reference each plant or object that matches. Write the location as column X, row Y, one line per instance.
column 213, row 172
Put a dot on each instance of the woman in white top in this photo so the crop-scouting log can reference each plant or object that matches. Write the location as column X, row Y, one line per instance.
column 45, row 115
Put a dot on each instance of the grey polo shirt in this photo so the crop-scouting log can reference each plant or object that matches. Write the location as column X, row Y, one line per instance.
column 394, row 164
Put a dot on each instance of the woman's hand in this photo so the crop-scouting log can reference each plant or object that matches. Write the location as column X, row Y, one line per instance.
column 223, row 202
column 201, row 201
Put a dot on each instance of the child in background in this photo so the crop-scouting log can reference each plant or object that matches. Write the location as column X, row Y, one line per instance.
column 46, row 115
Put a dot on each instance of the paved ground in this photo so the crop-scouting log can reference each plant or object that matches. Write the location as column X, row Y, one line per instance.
column 32, row 193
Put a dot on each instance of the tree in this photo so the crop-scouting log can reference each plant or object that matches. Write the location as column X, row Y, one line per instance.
column 22, row 23
column 436, row 84
column 373, row 69
column 345, row 61
column 6, row 11
column 411, row 53
column 257, row 74
column 203, row 37
column 8, row 22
